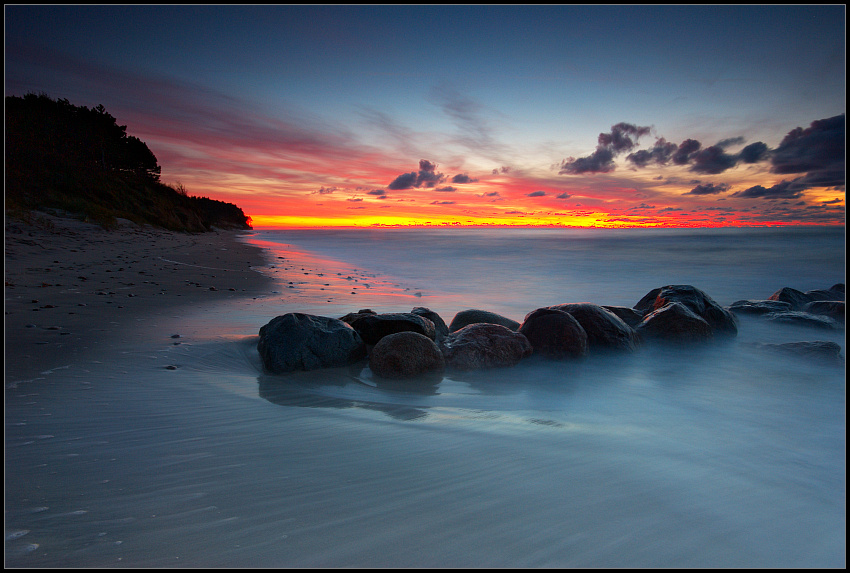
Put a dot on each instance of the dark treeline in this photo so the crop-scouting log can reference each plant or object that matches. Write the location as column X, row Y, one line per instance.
column 69, row 157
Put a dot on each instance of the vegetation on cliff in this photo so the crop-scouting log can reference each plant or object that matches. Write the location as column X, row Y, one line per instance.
column 62, row 156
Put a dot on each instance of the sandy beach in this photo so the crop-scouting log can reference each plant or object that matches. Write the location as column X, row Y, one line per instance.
column 73, row 289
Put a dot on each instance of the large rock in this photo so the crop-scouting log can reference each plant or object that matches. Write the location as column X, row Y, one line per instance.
column 484, row 345
column 834, row 293
column 472, row 316
column 604, row 328
column 406, row 355
column 721, row 320
column 797, row 299
column 759, row 306
column 805, row 319
column 554, row 334
column 297, row 341
column 675, row 322
column 373, row 327
column 628, row 315
column 440, row 328
column 832, row 308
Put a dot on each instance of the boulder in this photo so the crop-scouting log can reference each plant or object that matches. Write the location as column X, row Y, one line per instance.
column 373, row 327
column 472, row 316
column 628, row 315
column 604, row 328
column 721, row 320
column 805, row 319
column 759, row 306
column 675, row 322
column 554, row 334
column 484, row 345
column 440, row 328
column 406, row 355
column 792, row 296
column 297, row 341
column 351, row 316
column 831, row 308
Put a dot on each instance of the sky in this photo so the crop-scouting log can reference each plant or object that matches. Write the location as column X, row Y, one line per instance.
column 600, row 116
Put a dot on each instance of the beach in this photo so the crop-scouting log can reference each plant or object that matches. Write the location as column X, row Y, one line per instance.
column 73, row 288
column 143, row 431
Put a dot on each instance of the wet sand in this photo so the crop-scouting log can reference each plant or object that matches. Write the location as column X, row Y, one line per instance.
column 73, row 289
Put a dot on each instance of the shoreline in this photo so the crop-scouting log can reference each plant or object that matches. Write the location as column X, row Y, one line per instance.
column 73, row 289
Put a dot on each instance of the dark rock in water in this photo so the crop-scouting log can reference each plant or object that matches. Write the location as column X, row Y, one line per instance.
column 554, row 334
column 472, row 316
column 604, row 328
column 484, row 345
column 440, row 328
column 832, row 308
column 297, row 341
column 675, row 322
column 805, row 319
column 352, row 316
column 628, row 315
column 824, row 294
column 373, row 327
column 721, row 320
column 838, row 288
column 759, row 306
column 797, row 299
column 406, row 355
column 818, row 349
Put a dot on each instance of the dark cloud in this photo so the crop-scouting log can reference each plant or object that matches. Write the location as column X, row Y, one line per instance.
column 325, row 190
column 491, row 194
column 426, row 177
column 446, row 189
column 712, row 160
column 563, row 196
column 355, row 199
column 537, row 194
column 783, row 190
column 502, row 169
column 753, row 153
column 708, row 189
column 660, row 153
column 463, row 178
column 623, row 137
column 442, row 202
column 403, row 181
column 817, row 150
column 686, row 148
column 730, row 142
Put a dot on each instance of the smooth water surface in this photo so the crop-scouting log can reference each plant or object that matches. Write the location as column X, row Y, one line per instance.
column 712, row 456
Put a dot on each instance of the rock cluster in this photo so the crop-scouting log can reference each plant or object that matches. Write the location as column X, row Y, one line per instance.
column 418, row 344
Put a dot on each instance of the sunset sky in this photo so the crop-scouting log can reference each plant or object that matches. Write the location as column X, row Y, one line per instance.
column 446, row 115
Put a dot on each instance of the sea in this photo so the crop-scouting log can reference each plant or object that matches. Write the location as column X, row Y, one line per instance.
column 190, row 455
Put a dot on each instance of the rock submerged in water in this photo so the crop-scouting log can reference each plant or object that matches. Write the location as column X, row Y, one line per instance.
column 798, row 299
column 675, row 322
column 373, row 327
column 297, row 341
column 440, row 328
column 818, row 349
column 759, row 306
column 472, row 316
column 721, row 321
column 804, row 319
column 484, row 345
column 406, row 355
column 554, row 334
column 605, row 330
column 832, row 308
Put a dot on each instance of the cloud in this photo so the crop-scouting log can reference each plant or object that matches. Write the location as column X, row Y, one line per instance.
column 563, row 196
column 537, row 194
column 442, row 202
column 325, row 190
column 660, row 153
column 817, row 151
column 712, row 160
column 708, row 189
column 754, row 152
column 426, row 177
column 619, row 140
column 446, row 189
column 463, row 178
column 686, row 148
column 784, row 190
column 730, row 142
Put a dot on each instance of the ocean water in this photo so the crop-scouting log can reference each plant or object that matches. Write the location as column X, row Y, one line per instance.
column 706, row 456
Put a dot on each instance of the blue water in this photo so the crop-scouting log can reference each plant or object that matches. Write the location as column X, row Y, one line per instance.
column 708, row 456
